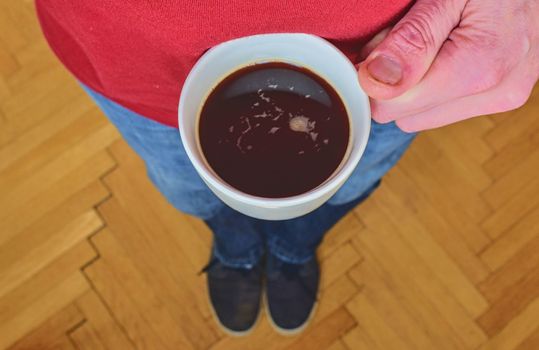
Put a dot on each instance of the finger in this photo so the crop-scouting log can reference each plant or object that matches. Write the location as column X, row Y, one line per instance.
column 405, row 55
column 511, row 94
column 373, row 43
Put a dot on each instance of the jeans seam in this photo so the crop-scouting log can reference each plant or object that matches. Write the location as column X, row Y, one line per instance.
column 280, row 250
column 253, row 257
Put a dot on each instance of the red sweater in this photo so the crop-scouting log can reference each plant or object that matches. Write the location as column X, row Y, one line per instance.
column 138, row 53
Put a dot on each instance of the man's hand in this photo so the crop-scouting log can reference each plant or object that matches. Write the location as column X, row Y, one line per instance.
column 449, row 60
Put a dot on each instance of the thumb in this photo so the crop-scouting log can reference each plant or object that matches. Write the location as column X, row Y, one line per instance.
column 373, row 44
column 405, row 55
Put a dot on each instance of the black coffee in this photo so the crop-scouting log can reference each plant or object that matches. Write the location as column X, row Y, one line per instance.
column 274, row 130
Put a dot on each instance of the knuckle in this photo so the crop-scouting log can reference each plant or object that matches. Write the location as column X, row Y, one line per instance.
column 482, row 76
column 515, row 99
column 523, row 45
column 491, row 78
column 413, row 36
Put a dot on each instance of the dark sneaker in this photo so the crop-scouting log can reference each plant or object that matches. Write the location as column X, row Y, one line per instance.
column 291, row 291
column 234, row 296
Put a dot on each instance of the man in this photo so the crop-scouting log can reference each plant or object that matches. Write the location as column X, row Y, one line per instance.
column 443, row 61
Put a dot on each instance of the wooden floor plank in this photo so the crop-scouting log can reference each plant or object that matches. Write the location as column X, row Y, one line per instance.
column 393, row 308
column 8, row 63
column 179, row 228
column 22, row 13
column 357, row 339
column 510, row 243
column 12, row 40
column 337, row 345
column 143, row 313
column 517, row 331
column 409, row 296
column 33, row 104
column 461, row 159
column 401, row 260
column 17, row 193
column 18, row 262
column 532, row 342
column 130, row 313
column 461, row 239
column 374, row 325
column 433, row 239
column 468, row 137
column 513, row 154
column 433, row 255
column 45, row 280
column 513, row 210
column 514, row 181
column 456, row 182
column 54, row 183
column 35, row 58
column 41, row 132
column 513, row 301
column 48, row 334
column 86, row 338
column 161, row 259
column 338, row 263
column 39, row 311
column 4, row 95
column 455, row 211
column 32, row 54
column 101, row 322
column 24, row 166
column 73, row 194
column 326, row 332
column 346, row 229
column 511, row 288
column 62, row 343
column 515, row 270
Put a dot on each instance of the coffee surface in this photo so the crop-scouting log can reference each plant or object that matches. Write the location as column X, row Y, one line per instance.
column 274, row 130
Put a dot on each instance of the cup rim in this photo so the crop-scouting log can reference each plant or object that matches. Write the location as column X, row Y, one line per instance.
column 215, row 181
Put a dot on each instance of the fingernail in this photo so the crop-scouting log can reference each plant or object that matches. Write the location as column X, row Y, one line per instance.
column 385, row 70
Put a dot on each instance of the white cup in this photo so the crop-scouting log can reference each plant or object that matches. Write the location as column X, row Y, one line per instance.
column 302, row 50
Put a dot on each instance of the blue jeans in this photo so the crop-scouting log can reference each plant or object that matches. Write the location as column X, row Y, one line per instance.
column 239, row 240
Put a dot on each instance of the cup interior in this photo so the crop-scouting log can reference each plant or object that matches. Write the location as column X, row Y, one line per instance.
column 303, row 50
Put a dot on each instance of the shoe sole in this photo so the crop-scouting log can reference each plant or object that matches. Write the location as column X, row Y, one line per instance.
column 232, row 332
column 284, row 331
